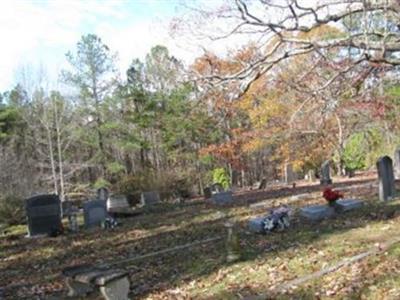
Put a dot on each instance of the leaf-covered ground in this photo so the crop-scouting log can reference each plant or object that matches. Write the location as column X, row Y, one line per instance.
column 31, row 268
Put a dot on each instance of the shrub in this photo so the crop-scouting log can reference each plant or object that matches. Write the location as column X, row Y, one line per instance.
column 12, row 210
column 220, row 176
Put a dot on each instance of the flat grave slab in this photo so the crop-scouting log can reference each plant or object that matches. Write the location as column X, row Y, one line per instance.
column 256, row 225
column 317, row 212
column 222, row 197
column 348, row 204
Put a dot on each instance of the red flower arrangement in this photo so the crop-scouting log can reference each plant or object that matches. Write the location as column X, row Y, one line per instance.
column 331, row 196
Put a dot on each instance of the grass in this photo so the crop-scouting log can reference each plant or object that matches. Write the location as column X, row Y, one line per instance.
column 201, row 272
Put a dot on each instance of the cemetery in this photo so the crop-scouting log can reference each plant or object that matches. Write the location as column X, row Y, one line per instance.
column 191, row 149
column 217, row 247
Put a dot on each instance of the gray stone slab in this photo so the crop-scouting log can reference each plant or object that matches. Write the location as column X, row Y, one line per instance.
column 256, row 225
column 348, row 204
column 317, row 212
column 117, row 202
column 149, row 198
column 222, row 197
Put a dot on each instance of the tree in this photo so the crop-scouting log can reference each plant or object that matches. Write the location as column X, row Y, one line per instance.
column 93, row 74
column 279, row 27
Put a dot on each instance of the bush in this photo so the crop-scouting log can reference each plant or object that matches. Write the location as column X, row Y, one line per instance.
column 220, row 176
column 12, row 210
column 354, row 153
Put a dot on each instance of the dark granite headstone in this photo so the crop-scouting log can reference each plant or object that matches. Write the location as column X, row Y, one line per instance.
column 325, row 173
column 263, row 184
column 207, row 192
column 386, row 178
column 94, row 213
column 44, row 214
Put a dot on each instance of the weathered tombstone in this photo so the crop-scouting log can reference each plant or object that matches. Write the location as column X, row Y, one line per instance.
column 94, row 213
column 263, row 184
column 222, row 197
column 325, row 173
column 290, row 175
column 207, row 192
column 149, row 198
column 117, row 203
column 317, row 212
column 102, row 194
column 397, row 163
column 44, row 214
column 232, row 243
column 311, row 175
column 386, row 178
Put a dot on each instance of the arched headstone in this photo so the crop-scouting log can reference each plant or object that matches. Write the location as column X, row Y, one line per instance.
column 102, row 194
column 325, row 173
column 386, row 178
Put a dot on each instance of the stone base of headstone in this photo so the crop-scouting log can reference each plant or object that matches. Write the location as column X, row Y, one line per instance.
column 317, row 212
column 325, row 181
column 82, row 280
column 78, row 289
column 256, row 225
column 344, row 205
column 222, row 198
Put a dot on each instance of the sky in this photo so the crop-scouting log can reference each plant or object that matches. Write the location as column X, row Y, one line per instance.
column 38, row 33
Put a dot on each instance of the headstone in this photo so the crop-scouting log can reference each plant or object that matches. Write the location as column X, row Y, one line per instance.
column 311, row 175
column 207, row 192
column 257, row 225
column 325, row 173
column 263, row 184
column 232, row 243
column 117, row 203
column 149, row 198
column 397, row 163
column 290, row 175
column 386, row 178
column 344, row 205
column 102, row 194
column 317, row 212
column 222, row 197
column 44, row 214
column 94, row 213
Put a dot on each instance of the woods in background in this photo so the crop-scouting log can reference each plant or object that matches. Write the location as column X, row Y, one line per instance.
column 253, row 112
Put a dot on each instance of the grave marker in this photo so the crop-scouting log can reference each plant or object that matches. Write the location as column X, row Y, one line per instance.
column 94, row 213
column 386, row 178
column 397, row 163
column 325, row 173
column 102, row 194
column 44, row 214
column 149, row 198
column 344, row 205
column 317, row 212
column 222, row 197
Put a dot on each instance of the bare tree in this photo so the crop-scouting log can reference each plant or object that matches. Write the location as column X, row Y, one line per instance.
column 368, row 34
